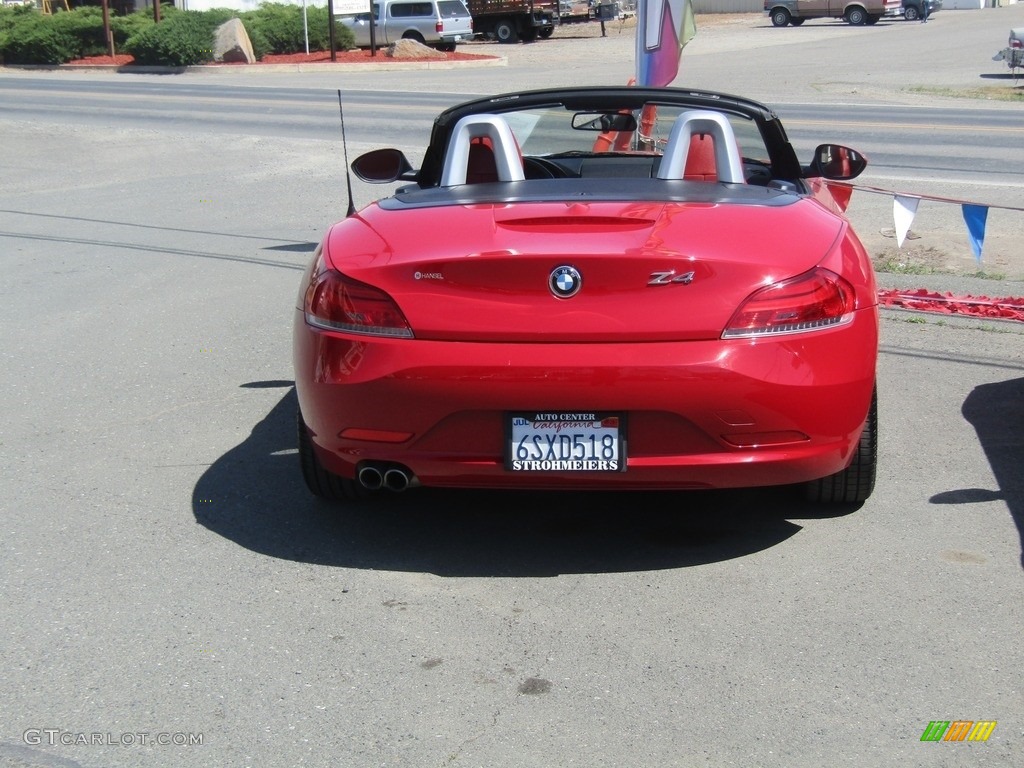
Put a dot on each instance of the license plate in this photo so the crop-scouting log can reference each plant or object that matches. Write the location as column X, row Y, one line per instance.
column 565, row 442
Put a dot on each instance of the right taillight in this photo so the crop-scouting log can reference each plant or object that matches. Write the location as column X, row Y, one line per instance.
column 815, row 300
column 336, row 302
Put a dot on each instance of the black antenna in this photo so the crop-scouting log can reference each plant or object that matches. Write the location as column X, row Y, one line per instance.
column 344, row 148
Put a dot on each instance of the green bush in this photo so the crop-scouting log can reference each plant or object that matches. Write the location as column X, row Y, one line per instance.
column 180, row 40
column 217, row 16
column 32, row 39
column 260, row 44
column 10, row 15
column 344, row 39
column 127, row 27
column 86, row 26
column 279, row 26
column 28, row 37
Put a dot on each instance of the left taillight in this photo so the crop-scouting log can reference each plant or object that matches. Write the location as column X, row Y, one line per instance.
column 813, row 301
column 336, row 302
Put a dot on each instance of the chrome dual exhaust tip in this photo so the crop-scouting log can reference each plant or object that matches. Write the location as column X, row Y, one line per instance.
column 392, row 478
column 371, row 478
column 397, row 480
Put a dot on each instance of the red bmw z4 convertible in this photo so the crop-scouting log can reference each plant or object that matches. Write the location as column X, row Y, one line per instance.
column 593, row 288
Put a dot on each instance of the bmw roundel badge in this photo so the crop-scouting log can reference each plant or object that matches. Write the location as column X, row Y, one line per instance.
column 565, row 282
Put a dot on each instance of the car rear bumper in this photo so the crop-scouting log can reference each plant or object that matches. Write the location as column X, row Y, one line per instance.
column 708, row 414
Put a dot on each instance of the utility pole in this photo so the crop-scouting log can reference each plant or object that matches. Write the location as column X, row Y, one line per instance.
column 330, row 30
column 108, row 35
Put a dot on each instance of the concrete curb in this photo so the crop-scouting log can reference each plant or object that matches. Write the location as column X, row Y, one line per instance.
column 324, row 66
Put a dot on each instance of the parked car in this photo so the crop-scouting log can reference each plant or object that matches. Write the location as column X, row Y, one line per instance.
column 623, row 288
column 1013, row 53
column 913, row 9
column 438, row 23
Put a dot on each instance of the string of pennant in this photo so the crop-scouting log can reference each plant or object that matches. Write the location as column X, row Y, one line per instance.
column 904, row 208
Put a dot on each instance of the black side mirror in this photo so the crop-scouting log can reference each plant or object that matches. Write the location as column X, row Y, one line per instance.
column 382, row 166
column 836, row 162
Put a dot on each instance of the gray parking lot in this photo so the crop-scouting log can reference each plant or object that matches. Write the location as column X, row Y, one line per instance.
column 172, row 595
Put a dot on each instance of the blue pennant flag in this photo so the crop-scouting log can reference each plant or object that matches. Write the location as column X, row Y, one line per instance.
column 974, row 217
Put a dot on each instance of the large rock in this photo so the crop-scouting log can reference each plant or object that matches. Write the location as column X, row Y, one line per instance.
column 412, row 49
column 232, row 44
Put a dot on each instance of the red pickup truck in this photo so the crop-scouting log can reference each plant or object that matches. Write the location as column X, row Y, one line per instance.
column 796, row 12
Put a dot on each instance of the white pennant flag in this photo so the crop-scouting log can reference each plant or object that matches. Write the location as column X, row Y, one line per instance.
column 903, row 211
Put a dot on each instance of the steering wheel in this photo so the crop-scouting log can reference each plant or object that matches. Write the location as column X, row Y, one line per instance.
column 539, row 168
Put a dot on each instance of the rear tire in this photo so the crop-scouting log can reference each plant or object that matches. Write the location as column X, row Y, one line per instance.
column 413, row 36
column 321, row 482
column 856, row 16
column 855, row 483
column 910, row 13
column 505, row 31
column 780, row 17
column 545, row 32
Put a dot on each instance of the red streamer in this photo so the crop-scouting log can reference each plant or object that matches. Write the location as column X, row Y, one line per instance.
column 922, row 300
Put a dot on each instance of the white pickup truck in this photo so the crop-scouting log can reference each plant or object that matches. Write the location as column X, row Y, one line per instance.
column 437, row 23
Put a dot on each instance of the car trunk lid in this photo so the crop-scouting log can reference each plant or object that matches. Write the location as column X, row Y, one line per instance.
column 646, row 271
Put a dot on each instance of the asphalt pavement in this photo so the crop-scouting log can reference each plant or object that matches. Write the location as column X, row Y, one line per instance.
column 172, row 596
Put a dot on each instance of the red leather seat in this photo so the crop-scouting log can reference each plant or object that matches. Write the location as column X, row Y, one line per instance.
column 480, row 167
column 700, row 159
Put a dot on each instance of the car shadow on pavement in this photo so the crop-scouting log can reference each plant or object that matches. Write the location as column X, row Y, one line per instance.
column 996, row 411
column 254, row 496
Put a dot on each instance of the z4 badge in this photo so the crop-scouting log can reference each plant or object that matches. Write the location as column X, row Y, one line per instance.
column 670, row 278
